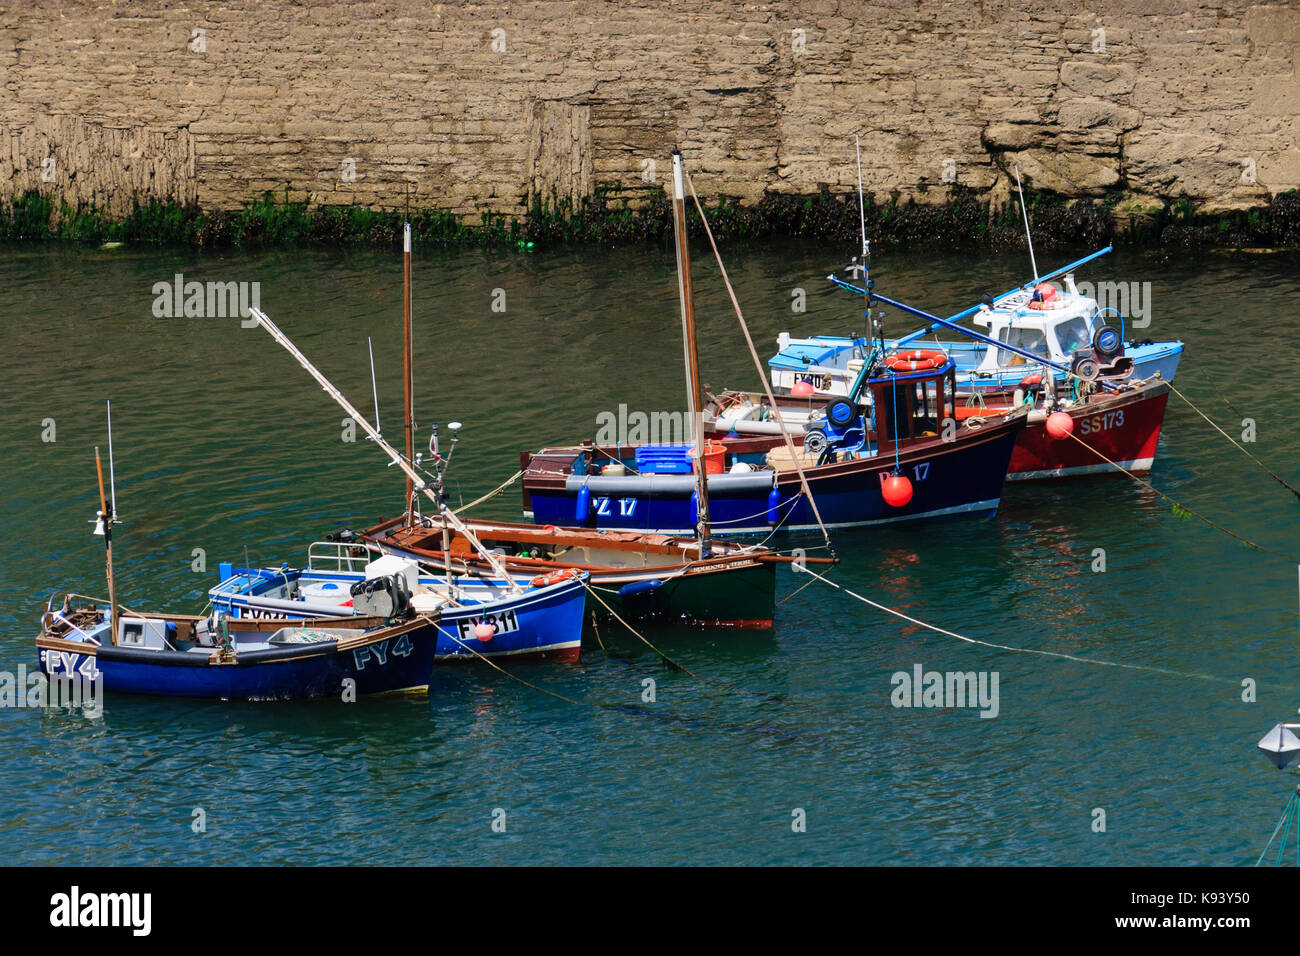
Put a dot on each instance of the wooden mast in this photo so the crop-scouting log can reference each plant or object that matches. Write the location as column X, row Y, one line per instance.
column 689, row 347
column 406, row 368
column 106, row 528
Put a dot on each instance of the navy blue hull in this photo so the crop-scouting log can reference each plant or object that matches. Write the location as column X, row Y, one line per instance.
column 399, row 662
column 962, row 478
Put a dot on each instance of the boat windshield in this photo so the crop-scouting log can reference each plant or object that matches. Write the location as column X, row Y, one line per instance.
column 1032, row 340
column 1073, row 334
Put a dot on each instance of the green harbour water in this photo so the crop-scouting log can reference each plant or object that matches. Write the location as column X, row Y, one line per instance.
column 223, row 443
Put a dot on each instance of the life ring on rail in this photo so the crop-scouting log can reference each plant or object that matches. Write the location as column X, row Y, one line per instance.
column 915, row 360
column 554, row 577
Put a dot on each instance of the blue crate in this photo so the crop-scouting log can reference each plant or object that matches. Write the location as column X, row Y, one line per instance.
column 664, row 459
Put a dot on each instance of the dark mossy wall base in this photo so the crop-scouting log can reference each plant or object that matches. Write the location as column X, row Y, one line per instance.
column 965, row 221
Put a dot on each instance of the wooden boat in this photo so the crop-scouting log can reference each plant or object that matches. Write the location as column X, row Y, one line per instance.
column 754, row 487
column 275, row 658
column 641, row 577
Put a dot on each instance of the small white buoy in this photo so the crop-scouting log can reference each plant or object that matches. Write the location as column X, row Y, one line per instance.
column 1280, row 745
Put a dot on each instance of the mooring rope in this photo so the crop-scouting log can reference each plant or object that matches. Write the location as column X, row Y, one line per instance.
column 666, row 659
column 1005, row 647
column 1275, row 476
column 493, row 493
column 1289, row 816
column 491, row 663
column 758, row 364
column 1179, row 507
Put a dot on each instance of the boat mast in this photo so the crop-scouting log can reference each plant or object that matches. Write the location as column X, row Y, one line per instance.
column 406, row 369
column 689, row 347
column 104, row 526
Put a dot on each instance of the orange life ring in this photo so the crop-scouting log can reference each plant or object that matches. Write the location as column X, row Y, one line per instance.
column 554, row 577
column 915, row 360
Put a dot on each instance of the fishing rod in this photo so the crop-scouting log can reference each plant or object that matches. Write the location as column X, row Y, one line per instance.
column 417, row 482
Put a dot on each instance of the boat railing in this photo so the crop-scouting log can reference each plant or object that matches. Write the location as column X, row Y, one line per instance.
column 341, row 555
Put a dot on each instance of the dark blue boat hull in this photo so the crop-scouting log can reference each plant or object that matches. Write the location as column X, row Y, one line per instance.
column 400, row 662
column 962, row 478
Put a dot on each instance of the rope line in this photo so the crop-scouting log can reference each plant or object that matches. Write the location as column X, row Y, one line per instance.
column 1005, row 647
column 668, row 660
column 1289, row 814
column 493, row 493
column 1178, row 506
column 1276, row 477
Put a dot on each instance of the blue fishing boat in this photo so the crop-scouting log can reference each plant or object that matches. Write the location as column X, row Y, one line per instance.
column 1057, row 324
column 894, row 463
column 753, row 483
column 179, row 655
column 473, row 615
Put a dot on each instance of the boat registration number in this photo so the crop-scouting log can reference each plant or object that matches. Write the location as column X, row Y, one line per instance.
column 379, row 652
column 79, row 665
column 624, row 507
column 1100, row 423
column 503, row 621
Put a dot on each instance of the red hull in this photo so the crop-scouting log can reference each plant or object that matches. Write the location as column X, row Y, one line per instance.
column 1124, row 428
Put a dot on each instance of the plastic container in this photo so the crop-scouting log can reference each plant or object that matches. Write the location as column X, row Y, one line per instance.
column 714, row 457
column 664, row 459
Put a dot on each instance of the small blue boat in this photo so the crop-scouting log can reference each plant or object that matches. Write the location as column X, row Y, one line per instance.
column 178, row 655
column 475, row 615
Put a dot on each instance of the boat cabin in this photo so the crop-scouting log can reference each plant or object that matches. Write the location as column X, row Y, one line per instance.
column 912, row 404
column 1045, row 320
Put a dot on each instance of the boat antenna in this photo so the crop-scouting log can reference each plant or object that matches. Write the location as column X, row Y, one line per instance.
column 406, row 368
column 862, row 208
column 112, row 480
column 374, row 387
column 691, row 351
column 418, row 483
column 1029, row 237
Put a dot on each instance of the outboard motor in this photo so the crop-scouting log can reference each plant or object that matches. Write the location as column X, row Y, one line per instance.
column 388, row 597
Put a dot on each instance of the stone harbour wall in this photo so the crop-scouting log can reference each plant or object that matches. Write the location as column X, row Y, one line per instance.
column 482, row 108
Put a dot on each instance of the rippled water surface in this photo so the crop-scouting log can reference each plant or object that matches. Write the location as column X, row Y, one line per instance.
column 223, row 443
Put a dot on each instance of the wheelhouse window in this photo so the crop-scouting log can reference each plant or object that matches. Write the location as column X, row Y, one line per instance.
column 1032, row 340
column 1074, row 334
